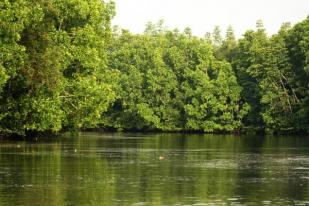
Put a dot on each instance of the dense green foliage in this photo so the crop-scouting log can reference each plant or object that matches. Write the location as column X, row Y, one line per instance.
column 171, row 81
column 53, row 64
column 61, row 67
column 274, row 74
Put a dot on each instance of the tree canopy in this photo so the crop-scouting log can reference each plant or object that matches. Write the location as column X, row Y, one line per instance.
column 62, row 68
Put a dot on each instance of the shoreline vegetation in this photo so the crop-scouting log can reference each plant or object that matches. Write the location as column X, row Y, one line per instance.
column 63, row 67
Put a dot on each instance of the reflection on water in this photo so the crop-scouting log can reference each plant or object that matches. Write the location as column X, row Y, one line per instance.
column 160, row 169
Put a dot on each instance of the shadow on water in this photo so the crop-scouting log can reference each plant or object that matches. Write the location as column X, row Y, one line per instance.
column 155, row 169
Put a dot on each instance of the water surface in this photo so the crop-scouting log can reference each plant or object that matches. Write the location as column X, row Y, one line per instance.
column 155, row 169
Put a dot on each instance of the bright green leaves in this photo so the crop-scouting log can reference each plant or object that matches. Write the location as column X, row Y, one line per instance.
column 84, row 100
column 272, row 72
column 171, row 81
column 41, row 113
column 161, row 83
column 14, row 17
column 53, row 64
column 62, row 68
column 148, row 115
column 3, row 77
column 278, row 93
column 297, row 41
column 215, row 100
column 248, row 64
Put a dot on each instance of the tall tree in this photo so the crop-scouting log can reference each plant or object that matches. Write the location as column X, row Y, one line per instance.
column 249, row 65
column 57, row 77
column 278, row 96
column 216, row 36
column 228, row 48
column 297, row 41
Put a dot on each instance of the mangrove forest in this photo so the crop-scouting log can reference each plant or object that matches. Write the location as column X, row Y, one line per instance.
column 64, row 67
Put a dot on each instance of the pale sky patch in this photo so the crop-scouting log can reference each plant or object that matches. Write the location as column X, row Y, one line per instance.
column 202, row 15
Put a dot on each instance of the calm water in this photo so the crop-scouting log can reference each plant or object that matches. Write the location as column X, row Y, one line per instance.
column 126, row 169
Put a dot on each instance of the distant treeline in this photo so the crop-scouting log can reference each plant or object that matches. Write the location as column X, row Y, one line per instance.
column 62, row 67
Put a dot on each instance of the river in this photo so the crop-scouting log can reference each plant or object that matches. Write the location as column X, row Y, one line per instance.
column 155, row 169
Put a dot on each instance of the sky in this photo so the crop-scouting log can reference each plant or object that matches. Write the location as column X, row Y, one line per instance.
column 203, row 15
